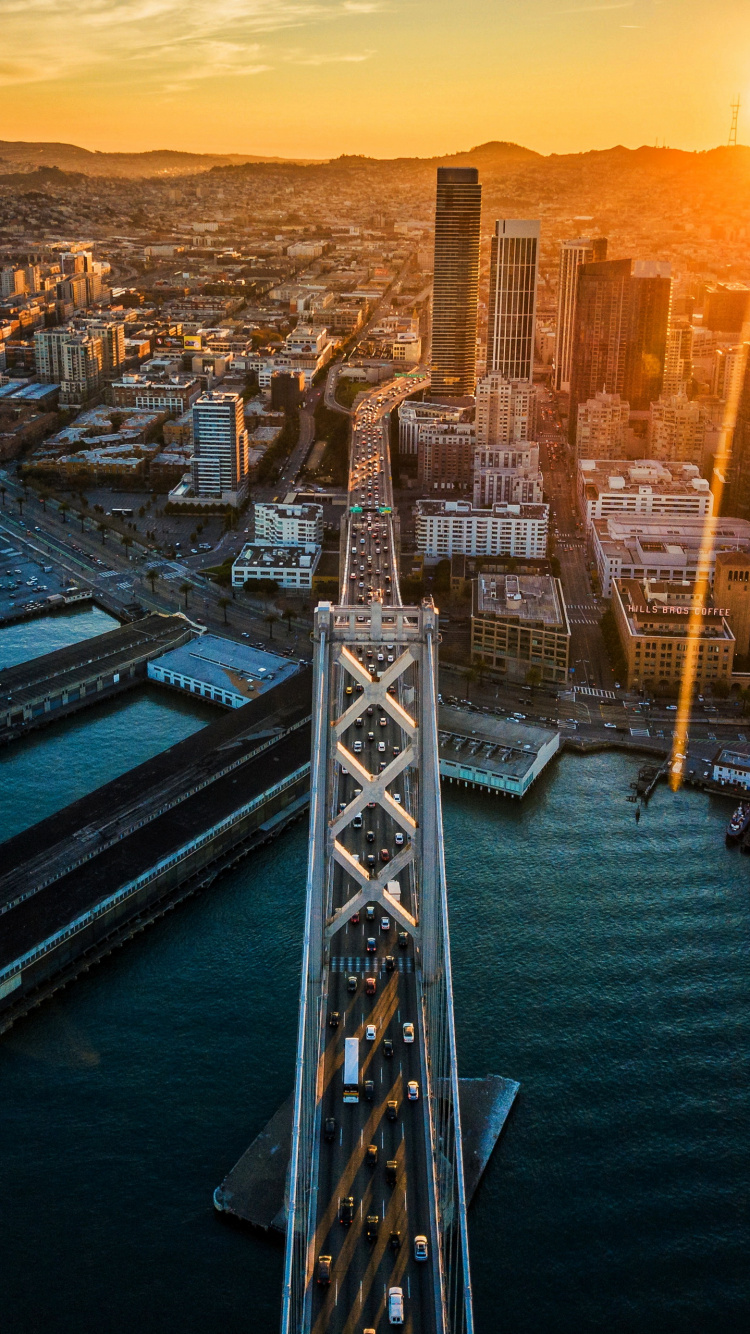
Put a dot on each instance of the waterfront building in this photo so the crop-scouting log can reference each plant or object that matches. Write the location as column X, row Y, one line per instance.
column 731, row 764
column 732, row 590
column 610, row 486
column 221, row 670
column 572, row 255
column 506, row 410
column 455, row 289
column 677, row 429
column 500, row 755
column 289, row 567
column 507, row 473
column 602, row 426
column 220, row 447
column 445, row 527
column 514, row 259
column 446, row 456
column 412, row 416
column 664, row 547
column 519, row 625
column 652, row 618
column 288, row 525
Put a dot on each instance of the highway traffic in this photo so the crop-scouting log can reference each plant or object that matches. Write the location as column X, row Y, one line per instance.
column 374, row 1244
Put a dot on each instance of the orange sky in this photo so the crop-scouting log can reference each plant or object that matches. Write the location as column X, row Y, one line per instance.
column 315, row 78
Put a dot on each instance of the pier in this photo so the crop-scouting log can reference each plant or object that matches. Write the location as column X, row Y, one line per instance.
column 57, row 684
column 94, row 873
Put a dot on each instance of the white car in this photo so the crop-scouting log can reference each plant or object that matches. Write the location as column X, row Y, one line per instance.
column 412, row 1090
column 396, row 795
column 399, row 839
column 420, row 1248
column 370, row 1032
column 381, row 747
column 611, row 725
column 396, row 1306
column 408, row 1032
column 357, row 747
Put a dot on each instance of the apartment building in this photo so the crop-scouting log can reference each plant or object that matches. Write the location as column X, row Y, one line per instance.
column 664, row 547
column 647, row 487
column 448, row 527
column 288, row 525
column 519, row 625
column 507, row 473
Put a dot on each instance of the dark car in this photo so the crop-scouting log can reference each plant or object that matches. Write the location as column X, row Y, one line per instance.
column 387, row 1046
column 329, row 1129
column 371, row 1155
column 369, row 1089
column 354, row 919
column 403, row 939
column 351, row 984
column 333, row 1019
column 370, row 859
column 346, row 1211
column 324, row 1269
column 370, row 836
column 390, row 963
column 391, row 1109
column 370, row 986
column 370, row 736
column 394, row 1241
column 391, row 1171
column 371, row 1227
column 372, row 944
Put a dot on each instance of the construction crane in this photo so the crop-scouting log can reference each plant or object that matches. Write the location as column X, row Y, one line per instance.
column 733, row 131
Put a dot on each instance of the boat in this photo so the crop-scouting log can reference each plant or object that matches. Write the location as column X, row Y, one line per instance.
column 739, row 823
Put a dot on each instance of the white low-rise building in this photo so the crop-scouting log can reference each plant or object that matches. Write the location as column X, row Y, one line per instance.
column 289, row 567
column 663, row 548
column 647, row 487
column 288, row 525
column 731, row 765
column 453, row 527
column 412, row 416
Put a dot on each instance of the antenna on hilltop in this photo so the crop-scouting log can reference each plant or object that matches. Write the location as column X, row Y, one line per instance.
column 733, row 131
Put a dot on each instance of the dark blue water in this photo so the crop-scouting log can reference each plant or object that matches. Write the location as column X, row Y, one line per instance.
column 29, row 639
column 603, row 965
column 67, row 759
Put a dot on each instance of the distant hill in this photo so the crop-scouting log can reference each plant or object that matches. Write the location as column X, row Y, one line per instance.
column 161, row 162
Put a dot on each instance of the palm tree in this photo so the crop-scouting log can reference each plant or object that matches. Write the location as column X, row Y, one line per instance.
column 43, row 496
column 289, row 617
column 81, row 520
column 271, row 620
column 186, row 590
column 63, row 507
column 152, row 575
column 127, row 542
column 472, row 674
column 224, row 603
column 19, row 502
column 3, row 490
column 102, row 527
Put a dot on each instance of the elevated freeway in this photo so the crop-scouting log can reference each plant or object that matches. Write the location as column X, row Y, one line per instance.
column 377, row 1202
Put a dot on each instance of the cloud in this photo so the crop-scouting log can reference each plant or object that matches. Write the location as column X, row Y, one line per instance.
column 172, row 42
column 350, row 58
column 598, row 9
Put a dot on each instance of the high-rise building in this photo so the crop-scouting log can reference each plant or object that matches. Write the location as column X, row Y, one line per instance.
column 678, row 361
column 456, row 281
column 650, row 309
column 600, row 333
column 572, row 255
column 601, row 427
column 445, row 456
column 727, row 307
column 71, row 359
column 514, row 260
column 737, row 493
column 506, row 410
column 677, row 430
column 509, row 474
column 220, row 458
column 12, row 282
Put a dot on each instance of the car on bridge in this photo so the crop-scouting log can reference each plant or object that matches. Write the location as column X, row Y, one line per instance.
column 324, row 1269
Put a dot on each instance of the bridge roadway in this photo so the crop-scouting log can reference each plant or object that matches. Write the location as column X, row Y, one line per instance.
column 363, row 1270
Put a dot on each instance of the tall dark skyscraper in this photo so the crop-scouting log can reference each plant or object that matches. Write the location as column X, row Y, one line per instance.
column 514, row 261
column 620, row 333
column 572, row 255
column 455, row 289
column 600, row 333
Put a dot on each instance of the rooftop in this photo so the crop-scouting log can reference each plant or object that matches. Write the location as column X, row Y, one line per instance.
column 237, row 668
column 642, row 475
column 663, row 607
column 278, row 557
column 500, row 746
column 527, row 597
column 464, row 509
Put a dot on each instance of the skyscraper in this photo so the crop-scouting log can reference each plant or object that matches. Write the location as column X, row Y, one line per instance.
column 455, row 289
column 600, row 333
column 512, row 298
column 506, row 410
column 650, row 310
column 219, row 466
column 572, row 255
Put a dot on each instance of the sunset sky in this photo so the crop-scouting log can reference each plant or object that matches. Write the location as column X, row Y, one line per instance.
column 315, row 78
